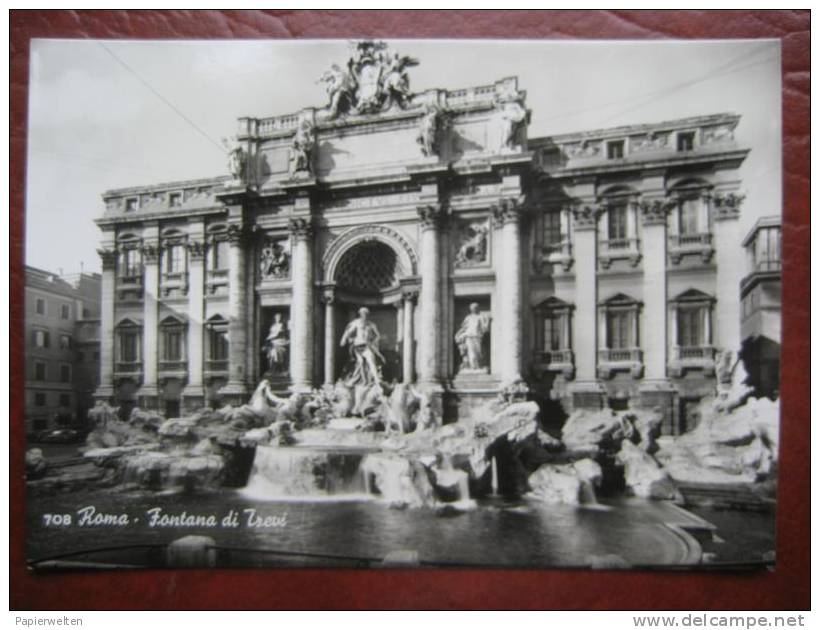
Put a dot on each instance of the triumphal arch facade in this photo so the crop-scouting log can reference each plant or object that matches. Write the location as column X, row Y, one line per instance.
column 489, row 262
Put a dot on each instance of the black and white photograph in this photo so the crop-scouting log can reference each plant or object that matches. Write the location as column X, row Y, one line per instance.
column 403, row 303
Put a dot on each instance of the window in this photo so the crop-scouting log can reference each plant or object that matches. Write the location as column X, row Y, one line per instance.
column 129, row 343
column 41, row 338
column 686, row 141
column 218, row 255
column 552, row 339
column 173, row 340
column 552, row 228
column 175, row 199
column 65, row 373
column 689, row 216
column 86, row 312
column 132, row 204
column 693, row 323
column 65, row 311
column 767, row 249
column 96, row 356
column 615, row 149
column 617, row 222
column 619, row 326
column 553, row 331
column 130, row 262
column 40, row 306
column 174, row 259
column 80, row 357
column 65, row 400
column 39, row 371
column 65, row 342
column 218, row 342
column 39, row 399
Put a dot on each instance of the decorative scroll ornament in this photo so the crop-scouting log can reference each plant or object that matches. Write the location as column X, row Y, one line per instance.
column 410, row 294
column 371, row 82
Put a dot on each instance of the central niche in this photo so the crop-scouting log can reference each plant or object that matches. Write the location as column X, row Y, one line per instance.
column 370, row 267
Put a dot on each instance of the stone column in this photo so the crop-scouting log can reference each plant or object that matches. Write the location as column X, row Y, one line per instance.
column 105, row 389
column 150, row 318
column 236, row 390
column 330, row 335
column 407, row 354
column 728, row 254
column 587, row 338
column 194, row 394
column 432, row 217
column 301, row 306
column 653, row 340
column 508, row 215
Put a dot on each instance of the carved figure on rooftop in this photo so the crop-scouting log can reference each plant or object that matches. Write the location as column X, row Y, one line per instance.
column 513, row 118
column 237, row 160
column 301, row 149
column 430, row 128
column 396, row 83
column 340, row 86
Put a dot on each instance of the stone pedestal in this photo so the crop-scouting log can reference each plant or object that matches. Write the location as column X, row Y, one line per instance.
column 587, row 395
column 660, row 395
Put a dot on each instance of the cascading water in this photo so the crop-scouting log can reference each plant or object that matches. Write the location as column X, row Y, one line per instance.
column 299, row 473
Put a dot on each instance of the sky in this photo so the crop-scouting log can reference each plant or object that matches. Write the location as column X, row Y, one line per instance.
column 110, row 114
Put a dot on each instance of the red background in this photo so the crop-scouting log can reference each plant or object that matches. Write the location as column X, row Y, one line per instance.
column 785, row 588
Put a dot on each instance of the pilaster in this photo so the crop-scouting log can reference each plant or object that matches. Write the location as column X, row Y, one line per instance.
column 301, row 308
column 236, row 389
column 431, row 217
column 150, row 316
column 728, row 254
column 108, row 255
column 194, row 393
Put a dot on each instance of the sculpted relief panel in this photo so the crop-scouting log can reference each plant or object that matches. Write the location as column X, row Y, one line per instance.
column 472, row 244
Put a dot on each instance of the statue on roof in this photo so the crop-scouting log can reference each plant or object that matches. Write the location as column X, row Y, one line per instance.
column 237, row 159
column 301, row 149
column 372, row 82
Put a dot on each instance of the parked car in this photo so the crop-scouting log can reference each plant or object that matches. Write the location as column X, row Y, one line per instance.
column 61, row 436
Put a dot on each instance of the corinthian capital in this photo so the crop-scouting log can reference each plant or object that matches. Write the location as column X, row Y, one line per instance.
column 585, row 216
column 301, row 227
column 727, row 206
column 109, row 258
column 196, row 250
column 431, row 216
column 150, row 252
column 509, row 210
column 655, row 211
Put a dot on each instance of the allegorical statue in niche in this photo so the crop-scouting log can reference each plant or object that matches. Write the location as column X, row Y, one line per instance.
column 363, row 336
column 469, row 338
column 276, row 345
column 237, row 160
column 273, row 261
column 301, row 149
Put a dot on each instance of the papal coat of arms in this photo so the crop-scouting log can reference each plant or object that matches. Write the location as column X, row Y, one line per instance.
column 372, row 81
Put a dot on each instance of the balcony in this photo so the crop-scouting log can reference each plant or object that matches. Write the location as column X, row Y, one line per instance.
column 611, row 360
column 217, row 279
column 686, row 358
column 173, row 369
column 128, row 370
column 174, row 282
column 619, row 249
column 129, row 287
column 555, row 361
column 699, row 244
column 554, row 254
column 216, row 367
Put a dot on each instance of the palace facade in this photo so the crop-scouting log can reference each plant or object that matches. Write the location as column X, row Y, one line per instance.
column 605, row 262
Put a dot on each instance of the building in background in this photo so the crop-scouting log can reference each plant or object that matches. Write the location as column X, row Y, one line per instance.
column 760, row 311
column 62, row 348
column 604, row 263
